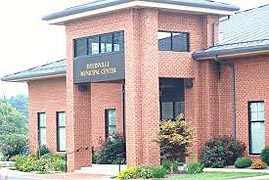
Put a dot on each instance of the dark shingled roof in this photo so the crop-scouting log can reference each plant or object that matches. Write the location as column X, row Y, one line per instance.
column 244, row 32
column 50, row 69
column 106, row 3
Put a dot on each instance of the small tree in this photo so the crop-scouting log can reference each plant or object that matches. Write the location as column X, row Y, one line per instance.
column 13, row 144
column 174, row 138
column 13, row 131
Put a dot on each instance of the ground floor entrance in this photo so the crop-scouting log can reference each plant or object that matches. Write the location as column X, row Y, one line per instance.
column 105, row 106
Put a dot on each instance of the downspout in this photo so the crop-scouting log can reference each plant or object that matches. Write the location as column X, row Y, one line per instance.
column 232, row 75
column 123, row 110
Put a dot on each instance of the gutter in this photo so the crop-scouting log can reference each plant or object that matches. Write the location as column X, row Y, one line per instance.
column 231, row 52
column 232, row 76
column 26, row 79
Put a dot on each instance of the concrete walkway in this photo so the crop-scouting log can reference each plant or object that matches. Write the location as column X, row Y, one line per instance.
column 13, row 174
column 102, row 169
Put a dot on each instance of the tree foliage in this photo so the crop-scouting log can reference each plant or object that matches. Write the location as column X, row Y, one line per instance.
column 174, row 138
column 10, row 120
column 20, row 103
column 13, row 130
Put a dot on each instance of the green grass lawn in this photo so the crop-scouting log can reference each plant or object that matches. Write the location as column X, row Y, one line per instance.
column 215, row 176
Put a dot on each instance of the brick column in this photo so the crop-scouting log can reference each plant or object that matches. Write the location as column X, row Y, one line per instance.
column 150, row 86
column 78, row 118
column 142, row 89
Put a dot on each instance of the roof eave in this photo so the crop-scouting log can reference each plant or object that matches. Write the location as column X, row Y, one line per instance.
column 235, row 52
column 58, row 19
column 26, row 79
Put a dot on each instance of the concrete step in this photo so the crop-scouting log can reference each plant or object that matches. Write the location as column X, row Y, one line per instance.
column 102, row 169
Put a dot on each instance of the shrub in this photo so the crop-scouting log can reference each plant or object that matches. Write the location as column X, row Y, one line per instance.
column 128, row 173
column 158, row 172
column 146, row 172
column 258, row 164
column 32, row 162
column 42, row 150
column 243, row 162
column 170, row 165
column 27, row 163
column 221, row 151
column 194, row 168
column 13, row 144
column 54, row 162
column 174, row 138
column 111, row 151
column 265, row 155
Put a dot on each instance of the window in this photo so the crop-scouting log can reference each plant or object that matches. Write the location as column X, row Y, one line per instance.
column 172, row 98
column 118, row 41
column 110, row 122
column 165, row 41
column 80, row 47
column 41, row 129
column 61, row 132
column 256, row 127
column 106, row 43
column 93, row 45
column 173, row 41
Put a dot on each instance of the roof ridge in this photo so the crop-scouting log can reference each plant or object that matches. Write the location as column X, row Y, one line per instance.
column 251, row 9
column 221, row 45
column 80, row 5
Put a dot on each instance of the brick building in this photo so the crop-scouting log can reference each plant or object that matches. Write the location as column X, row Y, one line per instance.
column 131, row 63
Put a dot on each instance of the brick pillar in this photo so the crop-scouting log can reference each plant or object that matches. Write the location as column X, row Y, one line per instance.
column 205, row 92
column 78, row 118
column 142, row 90
column 150, row 86
column 208, row 22
column 133, row 93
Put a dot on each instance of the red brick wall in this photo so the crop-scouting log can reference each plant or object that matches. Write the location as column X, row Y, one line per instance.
column 47, row 96
column 143, row 66
column 252, row 82
column 200, row 100
column 78, row 115
column 104, row 96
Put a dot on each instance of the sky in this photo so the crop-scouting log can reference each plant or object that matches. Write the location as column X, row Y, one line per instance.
column 27, row 41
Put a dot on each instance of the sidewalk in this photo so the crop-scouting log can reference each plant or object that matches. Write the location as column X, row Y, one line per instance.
column 58, row 176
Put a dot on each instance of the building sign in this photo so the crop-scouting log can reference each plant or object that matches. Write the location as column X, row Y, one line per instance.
column 99, row 68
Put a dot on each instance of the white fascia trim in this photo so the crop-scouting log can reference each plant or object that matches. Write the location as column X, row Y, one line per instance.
column 142, row 4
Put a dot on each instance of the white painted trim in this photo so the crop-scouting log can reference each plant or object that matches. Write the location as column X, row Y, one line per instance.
column 141, row 4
